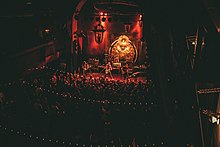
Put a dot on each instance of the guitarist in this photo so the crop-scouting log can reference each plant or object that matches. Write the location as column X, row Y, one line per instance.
column 108, row 69
column 85, row 67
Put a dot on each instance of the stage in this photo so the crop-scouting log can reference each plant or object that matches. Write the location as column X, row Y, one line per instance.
column 134, row 75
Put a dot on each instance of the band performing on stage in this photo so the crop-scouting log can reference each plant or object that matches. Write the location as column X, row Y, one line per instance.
column 111, row 70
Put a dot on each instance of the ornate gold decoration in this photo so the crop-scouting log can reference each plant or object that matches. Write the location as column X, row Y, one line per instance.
column 123, row 49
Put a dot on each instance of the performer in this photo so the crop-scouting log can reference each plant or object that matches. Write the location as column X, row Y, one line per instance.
column 108, row 69
column 85, row 67
column 125, row 71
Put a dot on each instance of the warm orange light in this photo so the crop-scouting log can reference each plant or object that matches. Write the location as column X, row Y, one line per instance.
column 106, row 14
column 123, row 50
column 140, row 20
column 138, row 30
column 47, row 30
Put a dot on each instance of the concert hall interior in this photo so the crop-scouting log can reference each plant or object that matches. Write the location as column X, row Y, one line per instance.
column 110, row 73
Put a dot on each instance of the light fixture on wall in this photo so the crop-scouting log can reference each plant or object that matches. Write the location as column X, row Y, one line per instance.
column 99, row 33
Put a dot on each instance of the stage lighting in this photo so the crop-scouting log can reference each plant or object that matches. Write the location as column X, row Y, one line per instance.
column 140, row 20
column 103, row 19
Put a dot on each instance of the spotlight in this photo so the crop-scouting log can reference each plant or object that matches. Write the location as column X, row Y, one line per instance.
column 97, row 19
column 103, row 19
column 109, row 19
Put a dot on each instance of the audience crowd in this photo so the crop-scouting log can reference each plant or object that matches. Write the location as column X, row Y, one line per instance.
column 84, row 110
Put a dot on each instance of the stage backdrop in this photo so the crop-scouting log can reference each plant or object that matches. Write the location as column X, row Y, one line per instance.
column 126, row 25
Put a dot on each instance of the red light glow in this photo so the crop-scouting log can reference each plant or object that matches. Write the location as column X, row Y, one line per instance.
column 138, row 30
column 98, row 48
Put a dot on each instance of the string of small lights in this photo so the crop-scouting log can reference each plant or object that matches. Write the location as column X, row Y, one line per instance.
column 37, row 68
column 208, row 91
column 134, row 105
column 89, row 100
column 10, row 131
column 9, row 84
